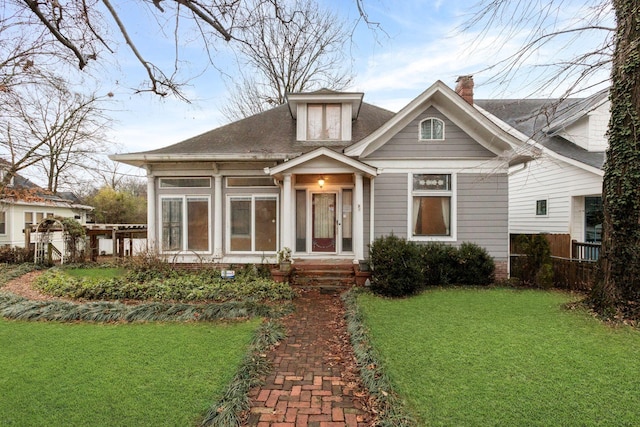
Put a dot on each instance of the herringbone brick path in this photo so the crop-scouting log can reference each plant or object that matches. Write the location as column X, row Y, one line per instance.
column 314, row 382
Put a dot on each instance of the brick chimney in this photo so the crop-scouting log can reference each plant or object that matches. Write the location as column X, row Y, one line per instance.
column 464, row 88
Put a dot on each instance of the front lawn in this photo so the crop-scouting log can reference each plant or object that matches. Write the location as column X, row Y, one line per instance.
column 469, row 357
column 160, row 374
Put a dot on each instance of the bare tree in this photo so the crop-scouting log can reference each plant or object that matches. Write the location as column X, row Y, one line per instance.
column 294, row 48
column 617, row 22
column 555, row 26
column 53, row 129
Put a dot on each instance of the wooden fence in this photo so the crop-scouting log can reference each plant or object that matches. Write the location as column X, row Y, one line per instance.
column 569, row 274
column 560, row 244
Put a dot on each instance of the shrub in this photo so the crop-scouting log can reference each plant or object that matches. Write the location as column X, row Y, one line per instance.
column 440, row 264
column 396, row 265
column 476, row 266
column 11, row 255
column 535, row 267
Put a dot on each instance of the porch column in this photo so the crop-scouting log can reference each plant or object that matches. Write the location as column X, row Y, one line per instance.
column 217, row 217
column 358, row 219
column 287, row 213
column 151, row 212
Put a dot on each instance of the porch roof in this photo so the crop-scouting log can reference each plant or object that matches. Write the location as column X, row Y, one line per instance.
column 308, row 160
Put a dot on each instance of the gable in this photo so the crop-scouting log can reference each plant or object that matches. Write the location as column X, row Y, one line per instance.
column 407, row 144
column 454, row 108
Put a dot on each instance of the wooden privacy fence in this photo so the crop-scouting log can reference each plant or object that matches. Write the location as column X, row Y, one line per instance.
column 569, row 274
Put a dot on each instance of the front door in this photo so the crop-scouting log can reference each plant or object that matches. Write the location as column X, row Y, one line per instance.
column 323, row 238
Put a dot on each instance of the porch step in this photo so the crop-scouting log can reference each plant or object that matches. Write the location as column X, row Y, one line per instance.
column 329, row 276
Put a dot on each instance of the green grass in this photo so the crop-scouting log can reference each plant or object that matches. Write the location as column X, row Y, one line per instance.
column 161, row 374
column 95, row 273
column 469, row 357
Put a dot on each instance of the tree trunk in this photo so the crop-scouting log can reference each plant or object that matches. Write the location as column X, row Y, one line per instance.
column 618, row 285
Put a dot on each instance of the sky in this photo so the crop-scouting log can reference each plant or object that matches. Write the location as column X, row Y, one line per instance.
column 419, row 42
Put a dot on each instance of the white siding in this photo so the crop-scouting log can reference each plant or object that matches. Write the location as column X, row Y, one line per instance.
column 555, row 181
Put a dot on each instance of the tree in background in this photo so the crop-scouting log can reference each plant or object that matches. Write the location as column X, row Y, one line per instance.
column 48, row 126
column 118, row 206
column 296, row 47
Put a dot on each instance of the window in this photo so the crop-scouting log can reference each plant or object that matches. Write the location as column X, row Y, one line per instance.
column 541, row 207
column 593, row 218
column 3, row 223
column 253, row 223
column 185, row 223
column 250, row 181
column 431, row 128
column 185, row 182
column 324, row 121
column 431, row 208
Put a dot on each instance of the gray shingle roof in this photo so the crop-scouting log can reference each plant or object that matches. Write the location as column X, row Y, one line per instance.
column 273, row 131
column 539, row 118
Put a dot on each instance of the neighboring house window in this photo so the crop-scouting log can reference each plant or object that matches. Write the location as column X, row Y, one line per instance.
column 185, row 223
column 431, row 196
column 593, row 218
column 541, row 207
column 3, row 223
column 324, row 121
column 431, row 128
column 252, row 223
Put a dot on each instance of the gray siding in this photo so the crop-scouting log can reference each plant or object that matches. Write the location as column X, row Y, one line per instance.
column 406, row 143
column 391, row 205
column 483, row 212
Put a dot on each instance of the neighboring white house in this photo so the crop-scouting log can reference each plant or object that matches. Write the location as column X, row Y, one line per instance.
column 24, row 204
column 560, row 191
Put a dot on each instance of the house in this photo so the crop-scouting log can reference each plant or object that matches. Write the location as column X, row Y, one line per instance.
column 23, row 204
column 326, row 173
column 560, row 191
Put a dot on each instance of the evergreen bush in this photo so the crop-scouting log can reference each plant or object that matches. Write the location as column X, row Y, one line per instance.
column 440, row 264
column 396, row 265
column 475, row 265
column 536, row 268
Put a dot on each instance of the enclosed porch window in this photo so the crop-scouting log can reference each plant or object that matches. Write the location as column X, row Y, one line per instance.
column 253, row 223
column 185, row 223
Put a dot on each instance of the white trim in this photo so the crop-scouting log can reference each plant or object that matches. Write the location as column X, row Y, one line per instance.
column 453, row 193
column 322, row 151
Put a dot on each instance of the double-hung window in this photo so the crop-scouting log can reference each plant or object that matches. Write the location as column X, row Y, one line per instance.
column 324, row 122
column 185, row 223
column 252, row 223
column 431, row 206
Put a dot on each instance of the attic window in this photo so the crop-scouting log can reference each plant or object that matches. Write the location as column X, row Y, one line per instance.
column 431, row 129
column 323, row 122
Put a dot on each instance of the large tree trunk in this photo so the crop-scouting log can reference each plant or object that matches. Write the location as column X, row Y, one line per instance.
column 618, row 284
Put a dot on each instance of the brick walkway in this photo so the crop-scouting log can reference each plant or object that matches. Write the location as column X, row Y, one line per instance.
column 314, row 381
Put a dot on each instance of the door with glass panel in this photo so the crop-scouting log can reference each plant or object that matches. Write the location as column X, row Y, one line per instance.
column 323, row 222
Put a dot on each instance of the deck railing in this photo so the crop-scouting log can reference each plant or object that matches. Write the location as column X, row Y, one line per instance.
column 585, row 251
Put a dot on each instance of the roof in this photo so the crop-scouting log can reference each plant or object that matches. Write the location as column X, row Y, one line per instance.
column 464, row 115
column 38, row 195
column 267, row 135
column 541, row 119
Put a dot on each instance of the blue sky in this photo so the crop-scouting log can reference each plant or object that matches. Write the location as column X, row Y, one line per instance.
column 420, row 43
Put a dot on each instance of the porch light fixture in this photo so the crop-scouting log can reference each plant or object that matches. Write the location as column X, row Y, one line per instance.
column 321, row 182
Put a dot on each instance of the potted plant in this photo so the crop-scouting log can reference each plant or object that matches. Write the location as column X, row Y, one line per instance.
column 283, row 257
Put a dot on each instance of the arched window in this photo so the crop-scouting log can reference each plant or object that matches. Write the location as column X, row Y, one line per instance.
column 431, row 129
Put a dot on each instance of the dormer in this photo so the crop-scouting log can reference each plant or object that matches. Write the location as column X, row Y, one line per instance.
column 325, row 115
column 585, row 124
